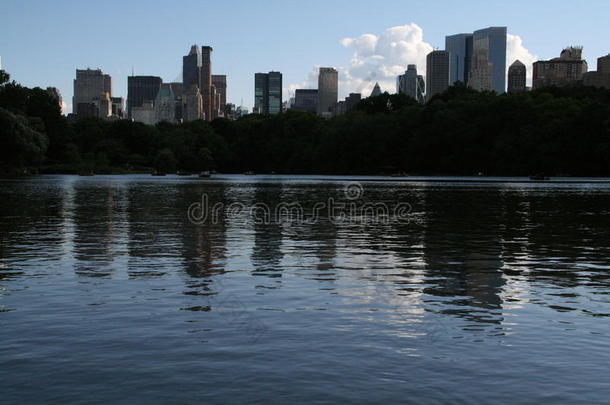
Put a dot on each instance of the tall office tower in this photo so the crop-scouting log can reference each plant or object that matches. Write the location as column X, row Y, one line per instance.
column 165, row 104
column 191, row 64
column 488, row 64
column 220, row 84
column 89, row 86
column 328, row 90
column 437, row 73
column 192, row 104
column 261, row 86
column 205, row 81
column 517, row 75
column 275, row 92
column 460, row 52
column 268, row 93
column 305, row 100
column 412, row 84
column 141, row 89
column 568, row 69
column 601, row 77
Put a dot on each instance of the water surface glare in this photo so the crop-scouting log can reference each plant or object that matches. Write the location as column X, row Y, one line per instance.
column 487, row 293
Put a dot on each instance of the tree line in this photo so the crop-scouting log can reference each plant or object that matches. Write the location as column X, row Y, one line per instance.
column 556, row 131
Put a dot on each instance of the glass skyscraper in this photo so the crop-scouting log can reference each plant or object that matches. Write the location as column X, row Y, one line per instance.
column 460, row 54
column 268, row 93
column 488, row 66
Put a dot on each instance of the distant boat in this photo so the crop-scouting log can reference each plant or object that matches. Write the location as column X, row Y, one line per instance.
column 205, row 174
column 249, row 173
column 399, row 174
column 158, row 173
column 539, row 177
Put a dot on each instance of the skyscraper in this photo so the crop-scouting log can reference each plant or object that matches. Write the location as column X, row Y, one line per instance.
column 90, row 87
column 141, row 89
column 205, row 81
column 437, row 73
column 488, row 65
column 268, row 93
column 460, row 54
column 191, row 64
column 328, row 90
column 517, row 75
column 411, row 84
column 220, row 84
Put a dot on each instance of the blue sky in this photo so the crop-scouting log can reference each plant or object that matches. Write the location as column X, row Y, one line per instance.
column 43, row 42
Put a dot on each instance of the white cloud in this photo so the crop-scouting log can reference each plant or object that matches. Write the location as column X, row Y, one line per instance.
column 515, row 50
column 380, row 58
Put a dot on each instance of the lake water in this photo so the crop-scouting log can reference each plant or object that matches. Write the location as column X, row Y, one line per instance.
column 117, row 289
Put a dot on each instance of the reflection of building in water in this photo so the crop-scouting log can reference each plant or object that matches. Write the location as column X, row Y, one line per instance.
column 204, row 245
column 98, row 221
column 267, row 250
column 463, row 251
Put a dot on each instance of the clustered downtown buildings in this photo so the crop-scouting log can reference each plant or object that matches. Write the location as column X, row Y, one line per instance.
column 476, row 59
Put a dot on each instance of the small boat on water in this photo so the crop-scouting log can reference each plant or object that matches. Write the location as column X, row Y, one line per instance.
column 205, row 174
column 158, row 173
column 399, row 174
column 539, row 177
column 249, row 173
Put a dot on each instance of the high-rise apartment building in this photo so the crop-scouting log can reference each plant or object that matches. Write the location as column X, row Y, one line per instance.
column 411, row 84
column 91, row 87
column 517, row 76
column 568, row 69
column 205, row 81
column 220, row 85
column 601, row 77
column 437, row 73
column 460, row 53
column 268, row 93
column 488, row 63
column 141, row 89
column 328, row 90
column 191, row 65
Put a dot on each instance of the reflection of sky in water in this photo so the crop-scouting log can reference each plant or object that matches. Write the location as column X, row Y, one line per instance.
column 512, row 274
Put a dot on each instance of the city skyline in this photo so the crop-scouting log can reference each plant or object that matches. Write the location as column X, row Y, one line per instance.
column 354, row 46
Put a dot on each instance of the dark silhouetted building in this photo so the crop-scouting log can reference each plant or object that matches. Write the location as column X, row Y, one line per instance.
column 376, row 90
column 437, row 73
column 141, row 89
column 191, row 65
column 205, row 81
column 517, row 76
column 328, row 90
column 305, row 100
column 601, row 77
column 268, row 93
